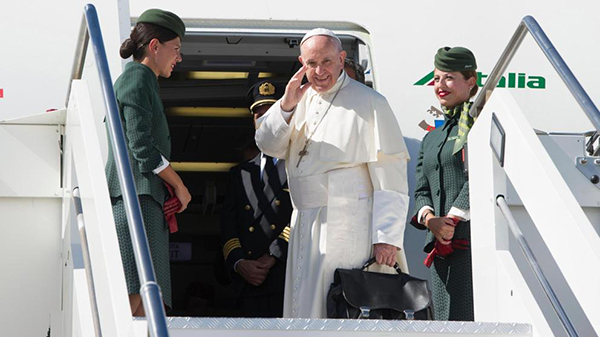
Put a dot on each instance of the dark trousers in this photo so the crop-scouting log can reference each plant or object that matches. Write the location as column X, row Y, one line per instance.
column 269, row 305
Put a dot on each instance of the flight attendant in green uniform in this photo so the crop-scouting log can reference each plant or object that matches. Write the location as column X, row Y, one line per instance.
column 442, row 187
column 155, row 44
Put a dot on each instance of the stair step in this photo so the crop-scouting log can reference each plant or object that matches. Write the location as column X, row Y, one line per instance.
column 266, row 327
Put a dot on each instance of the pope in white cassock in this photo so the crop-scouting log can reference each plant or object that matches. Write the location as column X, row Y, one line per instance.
column 346, row 164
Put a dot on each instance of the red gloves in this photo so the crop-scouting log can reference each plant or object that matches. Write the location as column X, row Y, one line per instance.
column 443, row 250
column 170, row 207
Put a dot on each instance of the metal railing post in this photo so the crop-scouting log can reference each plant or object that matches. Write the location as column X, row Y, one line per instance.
column 149, row 290
column 537, row 271
column 80, row 52
column 86, row 261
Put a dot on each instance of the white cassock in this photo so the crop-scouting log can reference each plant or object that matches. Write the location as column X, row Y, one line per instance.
column 349, row 192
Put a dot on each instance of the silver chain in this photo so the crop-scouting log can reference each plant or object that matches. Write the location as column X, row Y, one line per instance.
column 303, row 152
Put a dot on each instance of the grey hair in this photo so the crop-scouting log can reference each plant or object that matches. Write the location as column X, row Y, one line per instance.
column 336, row 42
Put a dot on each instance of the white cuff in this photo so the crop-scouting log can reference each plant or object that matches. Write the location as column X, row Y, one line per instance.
column 420, row 214
column 260, row 120
column 235, row 265
column 287, row 115
column 162, row 166
column 273, row 133
column 389, row 217
column 466, row 215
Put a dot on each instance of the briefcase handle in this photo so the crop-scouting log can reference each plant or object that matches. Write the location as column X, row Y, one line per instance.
column 373, row 260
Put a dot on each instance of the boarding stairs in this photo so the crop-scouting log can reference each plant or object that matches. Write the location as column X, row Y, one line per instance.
column 65, row 186
column 534, row 208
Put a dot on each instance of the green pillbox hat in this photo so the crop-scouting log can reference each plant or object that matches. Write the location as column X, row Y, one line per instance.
column 454, row 59
column 164, row 19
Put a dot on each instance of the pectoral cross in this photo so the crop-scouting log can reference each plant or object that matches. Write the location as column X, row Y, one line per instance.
column 302, row 153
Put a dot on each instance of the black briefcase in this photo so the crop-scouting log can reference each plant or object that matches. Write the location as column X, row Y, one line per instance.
column 356, row 293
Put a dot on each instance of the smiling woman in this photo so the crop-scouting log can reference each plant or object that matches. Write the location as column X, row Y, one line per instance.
column 155, row 44
column 442, row 188
column 451, row 87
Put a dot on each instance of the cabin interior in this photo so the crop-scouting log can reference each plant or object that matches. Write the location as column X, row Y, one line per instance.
column 210, row 124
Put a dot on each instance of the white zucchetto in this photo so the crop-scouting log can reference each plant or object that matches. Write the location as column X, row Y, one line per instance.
column 319, row 31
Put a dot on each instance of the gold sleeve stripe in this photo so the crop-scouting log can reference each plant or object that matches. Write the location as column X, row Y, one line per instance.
column 232, row 243
column 230, row 246
column 285, row 234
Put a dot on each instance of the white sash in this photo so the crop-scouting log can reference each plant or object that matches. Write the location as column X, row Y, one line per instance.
column 340, row 190
column 336, row 188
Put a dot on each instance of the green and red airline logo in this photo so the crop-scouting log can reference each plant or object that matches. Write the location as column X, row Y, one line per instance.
column 512, row 81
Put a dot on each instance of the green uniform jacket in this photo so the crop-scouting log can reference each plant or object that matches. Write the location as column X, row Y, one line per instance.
column 146, row 131
column 442, row 184
column 441, row 181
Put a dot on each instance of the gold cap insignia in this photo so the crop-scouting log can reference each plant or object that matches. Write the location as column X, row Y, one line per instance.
column 266, row 89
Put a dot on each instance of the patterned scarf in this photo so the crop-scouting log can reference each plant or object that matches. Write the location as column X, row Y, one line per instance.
column 465, row 122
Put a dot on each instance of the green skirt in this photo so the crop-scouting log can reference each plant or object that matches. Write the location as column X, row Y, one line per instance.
column 452, row 287
column 158, row 240
column 452, row 281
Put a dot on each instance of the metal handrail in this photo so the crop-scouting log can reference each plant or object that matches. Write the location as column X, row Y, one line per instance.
column 529, row 24
column 539, row 274
column 149, row 290
column 80, row 52
column 86, row 261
